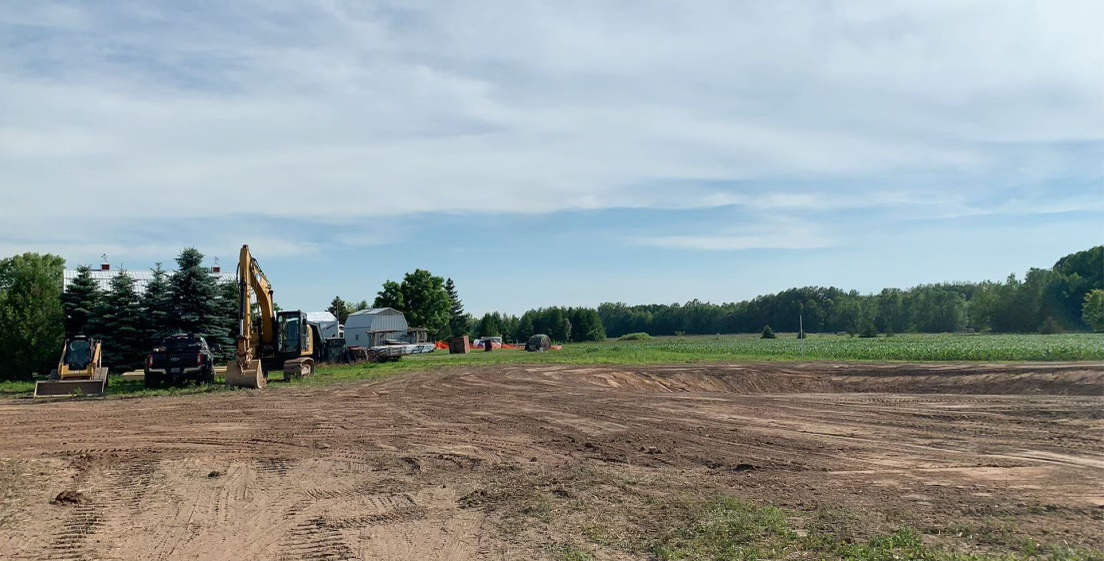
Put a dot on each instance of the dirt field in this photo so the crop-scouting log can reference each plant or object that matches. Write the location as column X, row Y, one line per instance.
column 516, row 462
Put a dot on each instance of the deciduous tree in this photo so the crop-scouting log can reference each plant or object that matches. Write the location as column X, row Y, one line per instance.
column 32, row 326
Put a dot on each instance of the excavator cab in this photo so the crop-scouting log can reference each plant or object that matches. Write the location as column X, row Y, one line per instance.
column 294, row 334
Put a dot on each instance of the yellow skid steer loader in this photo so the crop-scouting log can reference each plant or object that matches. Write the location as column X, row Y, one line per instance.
column 78, row 372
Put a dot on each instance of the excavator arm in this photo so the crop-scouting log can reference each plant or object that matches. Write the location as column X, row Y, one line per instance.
column 259, row 344
column 246, row 370
column 252, row 282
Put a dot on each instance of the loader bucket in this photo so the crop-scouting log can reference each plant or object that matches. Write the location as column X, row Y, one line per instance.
column 55, row 388
column 252, row 376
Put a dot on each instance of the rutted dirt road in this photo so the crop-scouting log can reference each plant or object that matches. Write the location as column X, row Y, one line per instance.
column 430, row 465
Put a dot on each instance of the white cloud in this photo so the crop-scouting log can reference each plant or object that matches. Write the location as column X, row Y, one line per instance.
column 733, row 243
column 329, row 109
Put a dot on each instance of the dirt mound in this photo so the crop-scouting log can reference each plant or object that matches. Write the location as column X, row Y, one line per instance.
column 771, row 378
column 69, row 498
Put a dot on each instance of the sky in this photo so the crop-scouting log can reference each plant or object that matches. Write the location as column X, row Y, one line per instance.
column 557, row 152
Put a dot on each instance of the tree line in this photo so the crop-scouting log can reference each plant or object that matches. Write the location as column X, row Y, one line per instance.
column 1066, row 297
column 561, row 324
column 37, row 315
column 434, row 303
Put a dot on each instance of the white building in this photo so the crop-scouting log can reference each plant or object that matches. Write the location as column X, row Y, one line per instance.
column 104, row 274
column 327, row 324
column 369, row 328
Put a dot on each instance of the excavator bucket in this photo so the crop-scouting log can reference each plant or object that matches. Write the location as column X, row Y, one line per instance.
column 252, row 376
column 87, row 387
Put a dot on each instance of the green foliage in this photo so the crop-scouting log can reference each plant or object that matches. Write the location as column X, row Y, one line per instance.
column 490, row 325
column 1092, row 310
column 731, row 529
column 459, row 322
column 639, row 336
column 907, row 347
column 229, row 304
column 427, row 302
column 158, row 304
column 80, row 301
column 120, row 323
column 340, row 309
column 32, row 326
column 1012, row 306
column 1050, row 326
column 391, row 296
column 768, row 333
column 561, row 324
column 195, row 297
column 568, row 552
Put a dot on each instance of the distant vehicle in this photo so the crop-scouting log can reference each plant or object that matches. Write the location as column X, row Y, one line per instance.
column 180, row 358
column 79, row 370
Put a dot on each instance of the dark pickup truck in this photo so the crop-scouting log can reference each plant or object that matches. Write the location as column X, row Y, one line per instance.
column 180, row 358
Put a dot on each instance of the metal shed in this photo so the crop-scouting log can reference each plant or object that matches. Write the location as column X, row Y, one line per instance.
column 369, row 327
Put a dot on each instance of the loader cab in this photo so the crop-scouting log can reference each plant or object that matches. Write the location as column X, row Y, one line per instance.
column 294, row 334
column 78, row 353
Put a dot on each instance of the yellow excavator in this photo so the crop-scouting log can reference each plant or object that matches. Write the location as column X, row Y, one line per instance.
column 79, row 371
column 272, row 340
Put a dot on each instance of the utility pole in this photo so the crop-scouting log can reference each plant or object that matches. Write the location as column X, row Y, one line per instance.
column 801, row 330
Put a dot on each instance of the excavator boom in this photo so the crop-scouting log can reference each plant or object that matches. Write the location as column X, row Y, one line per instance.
column 246, row 369
column 281, row 340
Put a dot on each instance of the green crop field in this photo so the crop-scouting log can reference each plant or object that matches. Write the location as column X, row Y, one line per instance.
column 682, row 350
column 906, row 348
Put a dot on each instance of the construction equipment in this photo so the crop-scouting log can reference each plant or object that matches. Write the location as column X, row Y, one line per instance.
column 78, row 372
column 272, row 340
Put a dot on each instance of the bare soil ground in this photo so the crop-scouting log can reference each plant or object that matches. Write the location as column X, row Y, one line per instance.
column 522, row 462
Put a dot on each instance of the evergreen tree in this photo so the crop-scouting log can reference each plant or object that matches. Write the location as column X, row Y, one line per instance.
column 80, row 301
column 158, row 305
column 458, row 320
column 340, row 309
column 525, row 328
column 195, row 296
column 32, row 327
column 120, row 323
column 229, row 305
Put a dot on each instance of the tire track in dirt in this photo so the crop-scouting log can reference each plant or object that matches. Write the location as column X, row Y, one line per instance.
column 377, row 470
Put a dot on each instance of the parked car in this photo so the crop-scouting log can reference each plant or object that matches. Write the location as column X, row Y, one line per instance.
column 180, row 358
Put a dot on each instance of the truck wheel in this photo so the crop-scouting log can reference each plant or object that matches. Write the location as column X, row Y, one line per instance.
column 208, row 376
column 152, row 381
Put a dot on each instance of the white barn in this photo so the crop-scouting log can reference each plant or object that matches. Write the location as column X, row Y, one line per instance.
column 142, row 277
column 368, row 328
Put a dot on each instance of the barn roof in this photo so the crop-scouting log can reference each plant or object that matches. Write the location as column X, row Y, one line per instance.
column 377, row 311
column 141, row 277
